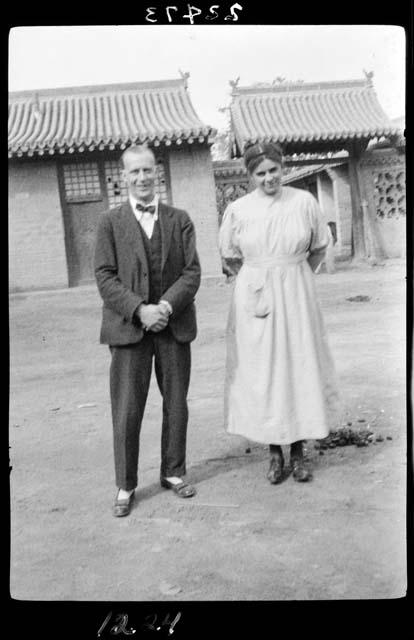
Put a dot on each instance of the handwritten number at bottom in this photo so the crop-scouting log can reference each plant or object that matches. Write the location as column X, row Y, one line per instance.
column 150, row 624
column 120, row 625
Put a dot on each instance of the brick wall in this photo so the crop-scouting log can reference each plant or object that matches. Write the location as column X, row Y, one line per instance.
column 193, row 189
column 37, row 257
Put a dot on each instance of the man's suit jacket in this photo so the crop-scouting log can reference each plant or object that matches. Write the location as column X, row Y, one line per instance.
column 122, row 273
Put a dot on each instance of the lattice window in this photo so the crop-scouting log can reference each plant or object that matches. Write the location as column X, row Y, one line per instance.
column 389, row 192
column 81, row 182
column 117, row 189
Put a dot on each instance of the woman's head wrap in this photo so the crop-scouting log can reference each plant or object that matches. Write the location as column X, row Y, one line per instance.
column 255, row 153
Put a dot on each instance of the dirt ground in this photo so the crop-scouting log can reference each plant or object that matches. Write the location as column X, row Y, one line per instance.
column 340, row 537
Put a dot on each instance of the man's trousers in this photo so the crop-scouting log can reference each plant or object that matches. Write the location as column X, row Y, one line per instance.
column 130, row 375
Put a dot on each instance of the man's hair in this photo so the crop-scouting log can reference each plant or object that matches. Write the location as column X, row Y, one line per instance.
column 136, row 149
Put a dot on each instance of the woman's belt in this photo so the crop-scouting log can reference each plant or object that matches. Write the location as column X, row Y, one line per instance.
column 275, row 261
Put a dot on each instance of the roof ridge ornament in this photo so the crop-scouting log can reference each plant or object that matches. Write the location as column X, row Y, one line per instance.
column 369, row 75
column 185, row 75
column 234, row 83
column 36, row 106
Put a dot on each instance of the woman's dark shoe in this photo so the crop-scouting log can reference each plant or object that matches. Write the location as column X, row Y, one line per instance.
column 275, row 473
column 123, row 507
column 182, row 489
column 299, row 470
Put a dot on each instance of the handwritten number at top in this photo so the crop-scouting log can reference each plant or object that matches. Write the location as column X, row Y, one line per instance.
column 193, row 12
column 190, row 15
column 167, row 9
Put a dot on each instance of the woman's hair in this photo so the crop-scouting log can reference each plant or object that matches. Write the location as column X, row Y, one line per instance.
column 255, row 153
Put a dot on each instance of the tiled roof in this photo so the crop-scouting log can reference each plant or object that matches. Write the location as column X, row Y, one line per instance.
column 324, row 115
column 299, row 173
column 396, row 141
column 235, row 167
column 302, row 172
column 102, row 117
column 224, row 168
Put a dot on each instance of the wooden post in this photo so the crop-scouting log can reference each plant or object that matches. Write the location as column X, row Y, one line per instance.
column 358, row 239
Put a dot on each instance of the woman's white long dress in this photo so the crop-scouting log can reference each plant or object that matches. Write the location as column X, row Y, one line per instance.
column 280, row 380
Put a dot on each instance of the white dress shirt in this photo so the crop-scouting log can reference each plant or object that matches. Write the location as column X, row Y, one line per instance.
column 145, row 219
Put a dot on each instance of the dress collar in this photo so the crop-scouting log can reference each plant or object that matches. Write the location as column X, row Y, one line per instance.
column 265, row 198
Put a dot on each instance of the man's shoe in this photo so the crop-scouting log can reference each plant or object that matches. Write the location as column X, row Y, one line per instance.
column 123, row 507
column 275, row 473
column 299, row 471
column 182, row 489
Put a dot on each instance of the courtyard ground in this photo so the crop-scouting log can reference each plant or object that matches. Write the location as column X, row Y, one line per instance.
column 340, row 537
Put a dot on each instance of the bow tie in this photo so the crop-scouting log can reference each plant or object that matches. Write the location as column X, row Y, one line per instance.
column 149, row 208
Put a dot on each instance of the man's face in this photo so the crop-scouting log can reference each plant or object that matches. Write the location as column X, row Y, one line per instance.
column 139, row 174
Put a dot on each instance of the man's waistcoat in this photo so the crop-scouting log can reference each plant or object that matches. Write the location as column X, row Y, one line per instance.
column 153, row 249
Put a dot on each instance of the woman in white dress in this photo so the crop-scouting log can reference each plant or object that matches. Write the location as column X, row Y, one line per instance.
column 280, row 381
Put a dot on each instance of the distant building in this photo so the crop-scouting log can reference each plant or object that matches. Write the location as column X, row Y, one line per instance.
column 325, row 129
column 64, row 171
column 220, row 149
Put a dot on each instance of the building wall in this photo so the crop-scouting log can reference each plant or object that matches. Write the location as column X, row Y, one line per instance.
column 37, row 253
column 383, row 181
column 37, row 257
column 193, row 189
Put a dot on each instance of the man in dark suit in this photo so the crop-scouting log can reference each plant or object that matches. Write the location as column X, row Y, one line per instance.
column 148, row 272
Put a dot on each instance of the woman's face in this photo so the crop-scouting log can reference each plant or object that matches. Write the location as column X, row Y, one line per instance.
column 268, row 177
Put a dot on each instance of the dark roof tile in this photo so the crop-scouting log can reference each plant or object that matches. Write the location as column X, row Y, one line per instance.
column 104, row 116
column 324, row 113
